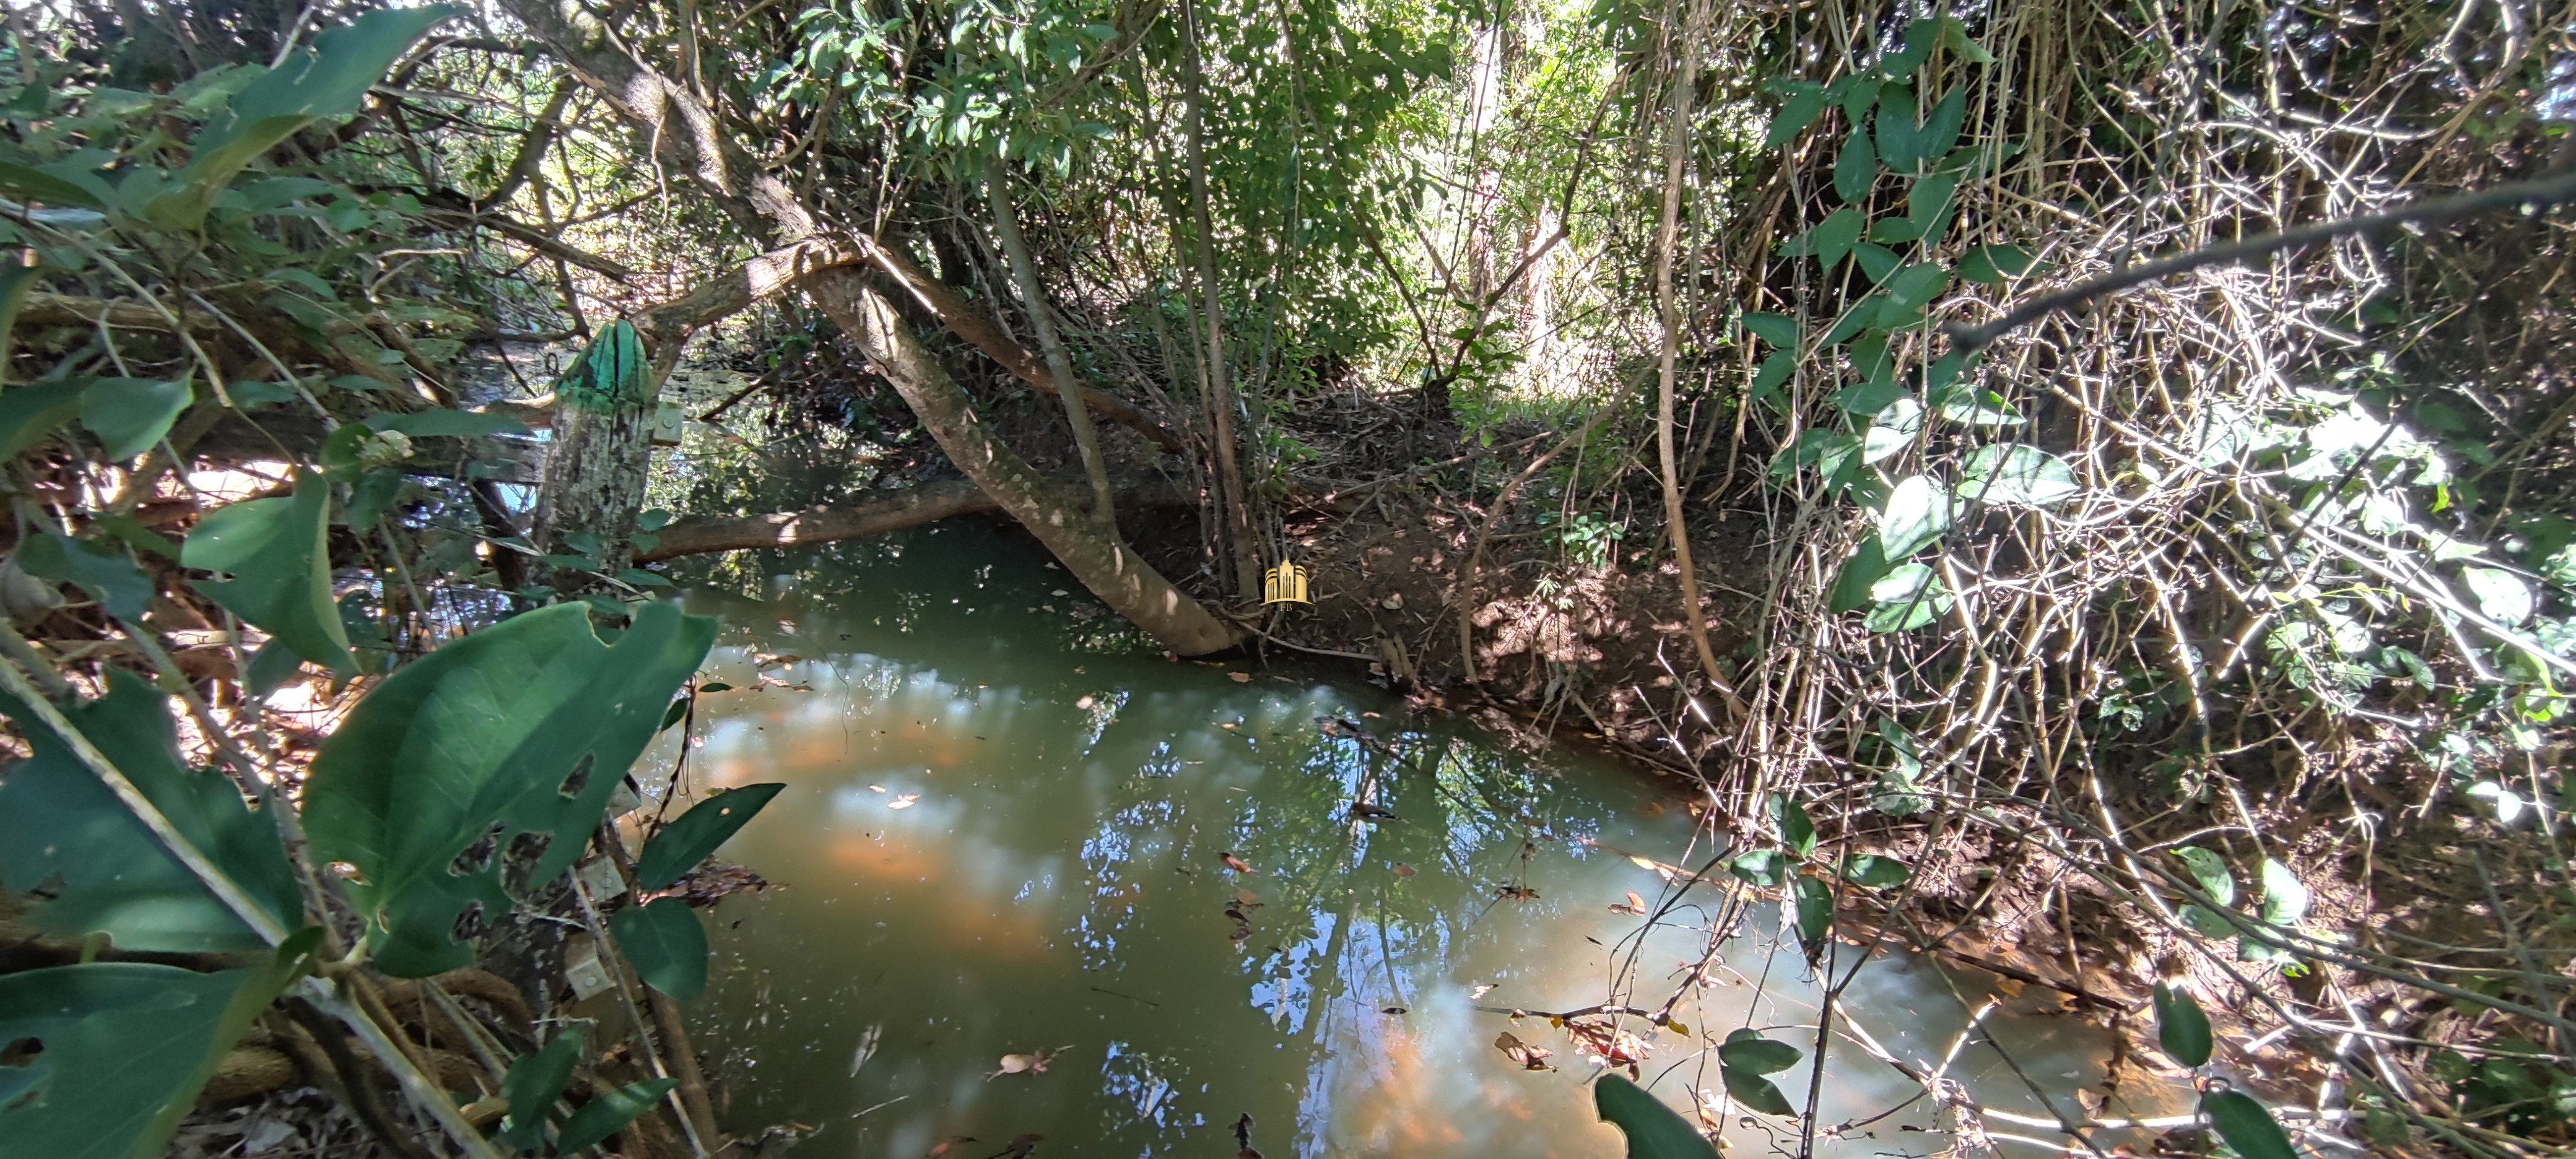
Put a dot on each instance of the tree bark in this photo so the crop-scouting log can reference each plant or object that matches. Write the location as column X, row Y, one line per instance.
column 689, row 138
column 1220, row 396
column 1015, row 249
column 1676, row 142
column 599, row 459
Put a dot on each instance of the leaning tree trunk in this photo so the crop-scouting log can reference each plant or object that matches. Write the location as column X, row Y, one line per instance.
column 597, row 462
column 1108, row 567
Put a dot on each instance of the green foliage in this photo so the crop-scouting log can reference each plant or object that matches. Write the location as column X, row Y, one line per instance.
column 602, row 1116
column 1653, row 1130
column 105, row 572
column 1743, row 1061
column 535, row 1081
column 524, row 727
column 61, row 827
column 277, row 552
column 2249, row 1129
column 681, row 845
column 2181, row 1028
column 666, row 945
column 129, row 415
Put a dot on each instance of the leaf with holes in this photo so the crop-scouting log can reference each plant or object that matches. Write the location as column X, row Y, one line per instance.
column 2182, row 1029
column 524, row 728
column 1746, row 1050
column 2250, row 1130
column 126, row 1046
column 681, row 845
column 61, row 827
column 1653, row 1130
column 2010, row 474
column 666, row 945
column 2210, row 871
column 601, row 1117
column 275, row 551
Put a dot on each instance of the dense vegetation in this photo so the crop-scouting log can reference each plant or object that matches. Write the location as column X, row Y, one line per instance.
column 2201, row 637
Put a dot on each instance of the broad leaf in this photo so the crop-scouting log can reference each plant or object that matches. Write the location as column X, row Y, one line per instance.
column 1867, row 565
column 1768, row 868
column 1777, row 329
column 1941, row 129
column 126, row 1048
column 666, row 945
column 1876, row 872
column 535, row 1081
column 107, row 573
column 1774, row 371
column 2012, row 474
column 2285, row 897
column 1654, row 1131
column 1806, row 102
column 1746, row 1050
column 2211, row 872
column 1909, row 597
column 1855, row 168
column 31, row 412
column 1832, row 239
column 2207, row 922
column 2250, row 1130
column 1815, row 912
column 1917, row 284
column 1797, row 831
column 130, row 414
column 28, row 183
column 2181, row 1028
column 1899, row 423
column 275, row 551
column 601, row 1117
column 1899, row 139
column 1994, row 265
column 609, row 374
column 1756, row 1093
column 61, row 827
column 682, row 844
column 327, row 80
column 524, row 727
column 1876, row 261
column 2502, row 596
column 1917, row 513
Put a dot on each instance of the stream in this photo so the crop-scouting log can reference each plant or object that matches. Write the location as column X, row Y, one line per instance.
column 1004, row 844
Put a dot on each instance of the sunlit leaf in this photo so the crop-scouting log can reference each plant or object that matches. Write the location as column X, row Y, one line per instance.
column 1867, row 565
column 1917, row 513
column 1908, row 597
column 1797, row 831
column 1768, row 868
column 2285, row 897
column 2016, row 475
column 1653, row 1130
column 2501, row 595
column 682, row 844
column 2210, row 871
column 130, row 414
column 2249, row 1129
column 524, row 727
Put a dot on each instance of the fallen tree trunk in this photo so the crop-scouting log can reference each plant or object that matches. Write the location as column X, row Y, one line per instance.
column 874, row 515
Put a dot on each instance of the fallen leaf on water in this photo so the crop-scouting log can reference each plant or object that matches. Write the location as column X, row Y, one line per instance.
column 1238, row 864
column 1482, row 989
column 951, row 1146
column 1403, row 870
column 1247, row 899
column 1227, row 724
column 1530, row 1057
column 1517, row 893
column 1059, row 592
column 876, row 788
column 904, row 802
column 1368, row 716
column 1085, row 702
column 1634, row 905
column 1365, row 811
column 1240, row 677
column 1025, row 1063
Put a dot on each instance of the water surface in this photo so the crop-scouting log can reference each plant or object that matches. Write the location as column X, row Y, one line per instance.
column 1005, row 839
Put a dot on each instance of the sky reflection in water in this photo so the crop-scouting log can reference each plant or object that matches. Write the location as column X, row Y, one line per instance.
column 1003, row 834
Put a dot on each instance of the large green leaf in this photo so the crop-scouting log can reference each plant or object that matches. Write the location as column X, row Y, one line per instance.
column 1855, row 168
column 1654, row 1131
column 1747, row 1050
column 2249, row 1129
column 1876, row 872
column 31, row 412
column 2013, row 474
column 2182, row 1029
column 1777, row 329
column 126, row 1046
column 1768, row 868
column 525, row 727
column 1867, row 565
column 1806, row 102
column 535, row 1081
column 682, row 844
column 2285, row 897
column 666, row 945
column 1908, row 597
column 108, row 874
column 1815, row 913
column 1797, row 830
column 602, row 1116
column 1916, row 515
column 1833, row 238
column 1755, row 1092
column 130, row 414
column 327, row 80
column 107, row 573
column 275, row 551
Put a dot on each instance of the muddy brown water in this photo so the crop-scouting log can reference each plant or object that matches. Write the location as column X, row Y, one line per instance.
column 1004, row 839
